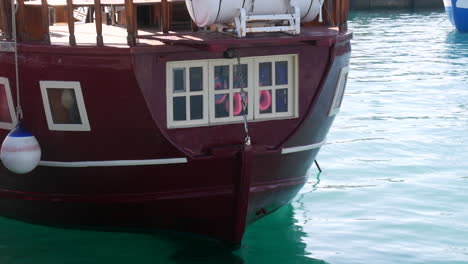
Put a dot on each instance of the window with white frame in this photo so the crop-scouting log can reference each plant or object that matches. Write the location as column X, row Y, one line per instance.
column 339, row 91
column 187, row 95
column 226, row 80
column 64, row 106
column 7, row 109
column 275, row 81
column 213, row 94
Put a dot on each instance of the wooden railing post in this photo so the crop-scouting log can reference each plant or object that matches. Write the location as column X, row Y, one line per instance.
column 326, row 12
column 45, row 20
column 5, row 14
column 21, row 27
column 336, row 12
column 165, row 16
column 130, row 10
column 98, row 22
column 71, row 22
column 344, row 15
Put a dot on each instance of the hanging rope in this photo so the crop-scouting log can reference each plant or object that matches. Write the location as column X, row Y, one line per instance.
column 243, row 95
column 19, row 110
column 318, row 166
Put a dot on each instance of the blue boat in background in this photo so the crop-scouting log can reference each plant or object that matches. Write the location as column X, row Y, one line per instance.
column 457, row 11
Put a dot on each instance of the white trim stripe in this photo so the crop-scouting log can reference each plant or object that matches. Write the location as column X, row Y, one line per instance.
column 112, row 163
column 303, row 148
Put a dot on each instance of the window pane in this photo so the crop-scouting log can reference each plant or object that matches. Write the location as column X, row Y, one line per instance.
column 179, row 80
column 281, row 71
column 343, row 87
column 196, row 107
column 237, row 104
column 282, row 100
column 265, row 102
column 221, row 77
column 265, row 74
column 196, row 79
column 5, row 115
column 221, row 105
column 63, row 106
column 237, row 74
column 340, row 92
column 179, row 109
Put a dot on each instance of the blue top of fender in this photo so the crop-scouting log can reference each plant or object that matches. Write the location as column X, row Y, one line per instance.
column 20, row 131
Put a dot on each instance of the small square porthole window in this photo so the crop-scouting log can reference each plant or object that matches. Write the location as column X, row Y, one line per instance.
column 276, row 86
column 64, row 106
column 339, row 91
column 7, row 110
column 186, row 94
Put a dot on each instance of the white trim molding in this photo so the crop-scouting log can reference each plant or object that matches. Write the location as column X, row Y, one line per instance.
column 339, row 91
column 76, row 87
column 112, row 163
column 303, row 148
column 11, row 107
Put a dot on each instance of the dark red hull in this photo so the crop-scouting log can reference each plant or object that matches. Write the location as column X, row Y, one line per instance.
column 221, row 188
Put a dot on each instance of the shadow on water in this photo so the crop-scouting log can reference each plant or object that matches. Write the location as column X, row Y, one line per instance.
column 274, row 239
column 457, row 38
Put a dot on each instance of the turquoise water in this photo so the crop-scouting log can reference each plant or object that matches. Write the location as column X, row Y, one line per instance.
column 395, row 182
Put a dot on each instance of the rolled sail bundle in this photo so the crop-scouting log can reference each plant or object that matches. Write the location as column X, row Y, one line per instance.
column 209, row 12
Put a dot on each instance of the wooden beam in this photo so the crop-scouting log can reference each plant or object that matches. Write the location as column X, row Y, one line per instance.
column 98, row 22
column 45, row 20
column 21, row 27
column 71, row 22
column 336, row 12
column 165, row 16
column 344, row 16
column 130, row 10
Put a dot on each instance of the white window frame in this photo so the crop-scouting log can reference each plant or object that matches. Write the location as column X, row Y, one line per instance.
column 253, row 90
column 291, row 86
column 339, row 91
column 11, row 107
column 170, row 94
column 84, row 126
column 231, row 91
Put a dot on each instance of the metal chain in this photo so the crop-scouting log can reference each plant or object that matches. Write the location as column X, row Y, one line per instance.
column 243, row 95
column 19, row 110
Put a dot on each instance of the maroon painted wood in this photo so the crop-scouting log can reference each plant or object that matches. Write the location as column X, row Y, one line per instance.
column 223, row 186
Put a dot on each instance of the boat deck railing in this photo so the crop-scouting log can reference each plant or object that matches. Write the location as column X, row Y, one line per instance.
column 34, row 18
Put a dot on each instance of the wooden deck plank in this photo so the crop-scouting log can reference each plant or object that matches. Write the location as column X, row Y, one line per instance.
column 85, row 34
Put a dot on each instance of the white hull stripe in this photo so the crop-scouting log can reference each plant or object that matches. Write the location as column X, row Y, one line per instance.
column 112, row 163
column 303, row 148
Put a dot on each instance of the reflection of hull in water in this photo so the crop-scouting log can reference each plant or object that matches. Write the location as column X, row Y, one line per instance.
column 457, row 12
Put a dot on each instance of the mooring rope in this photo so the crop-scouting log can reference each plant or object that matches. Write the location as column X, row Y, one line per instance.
column 19, row 110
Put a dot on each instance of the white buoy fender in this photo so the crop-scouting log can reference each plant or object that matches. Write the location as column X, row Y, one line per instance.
column 309, row 9
column 208, row 12
column 20, row 151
